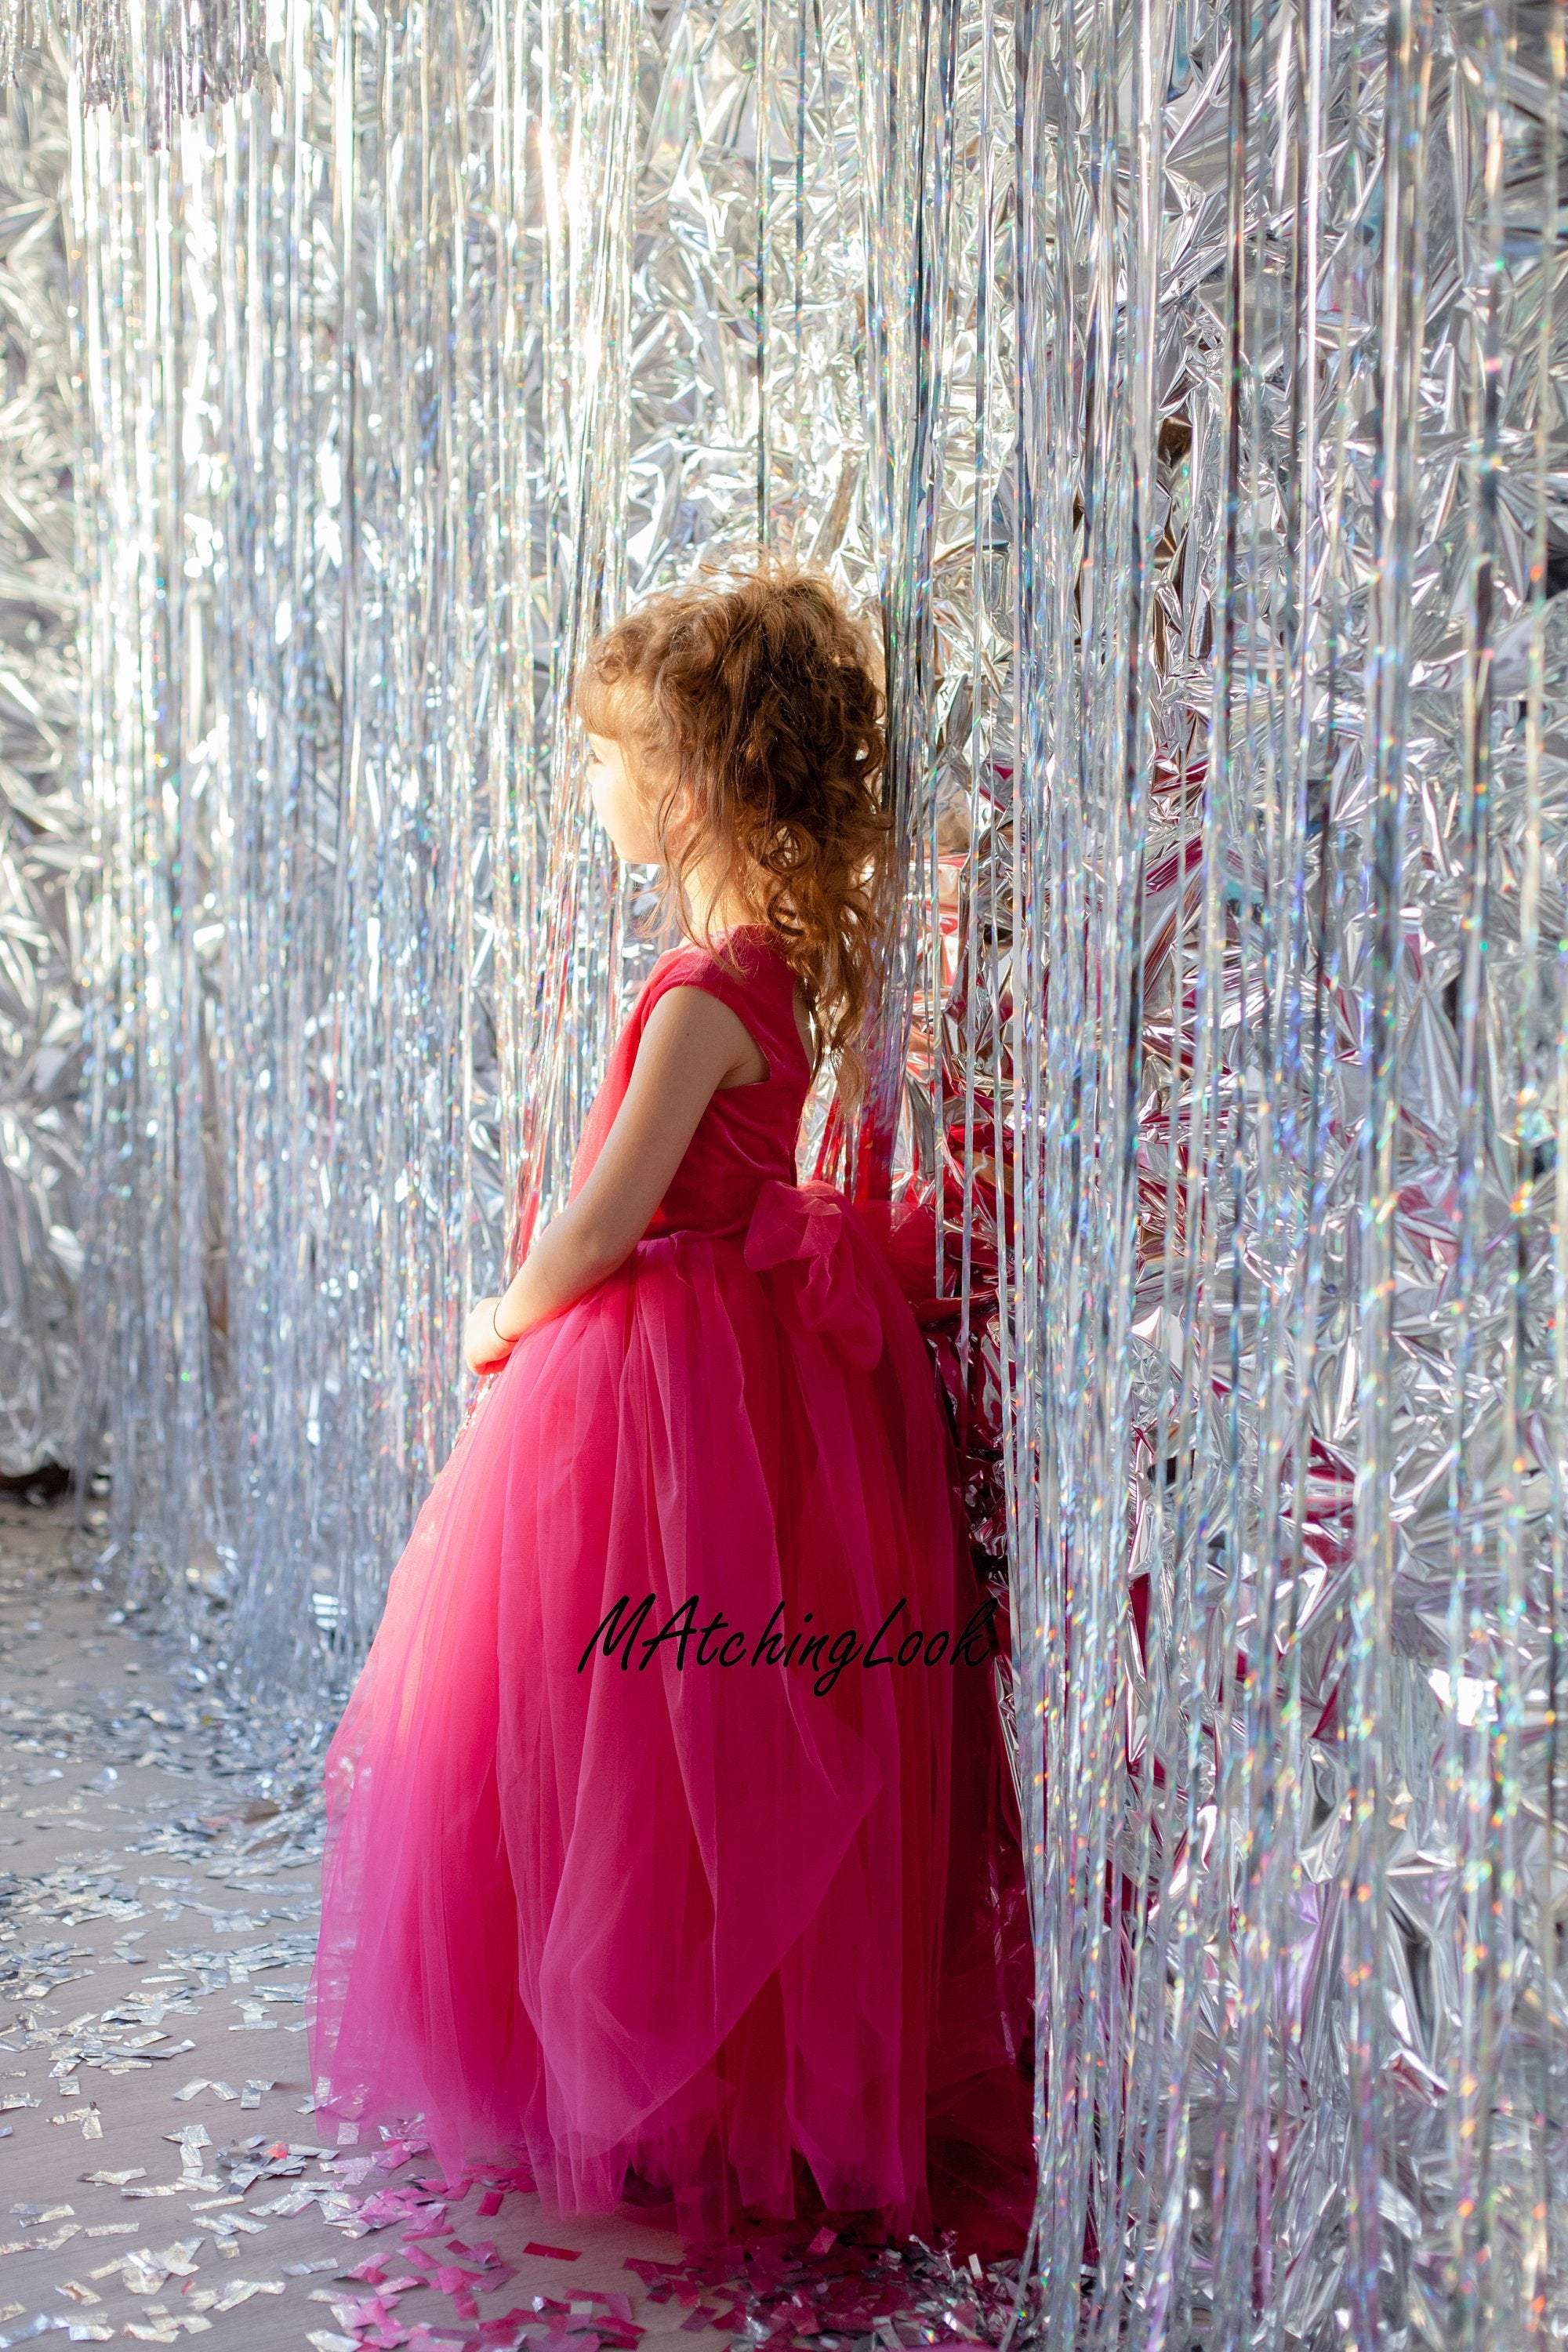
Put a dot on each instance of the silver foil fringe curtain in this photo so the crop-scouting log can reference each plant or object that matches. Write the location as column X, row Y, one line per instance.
column 165, row 57
column 1183, row 385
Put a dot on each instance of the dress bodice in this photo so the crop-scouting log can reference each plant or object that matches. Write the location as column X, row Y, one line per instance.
column 747, row 1134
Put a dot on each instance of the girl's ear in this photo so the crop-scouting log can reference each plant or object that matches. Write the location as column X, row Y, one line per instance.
column 681, row 819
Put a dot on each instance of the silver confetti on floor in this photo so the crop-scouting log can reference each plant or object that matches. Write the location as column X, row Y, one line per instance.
column 160, row 2175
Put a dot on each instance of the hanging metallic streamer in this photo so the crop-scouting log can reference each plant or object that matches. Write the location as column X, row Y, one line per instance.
column 1289, row 1484
column 173, row 57
column 1180, row 383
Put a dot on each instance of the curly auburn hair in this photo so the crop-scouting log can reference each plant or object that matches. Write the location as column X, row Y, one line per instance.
column 754, row 710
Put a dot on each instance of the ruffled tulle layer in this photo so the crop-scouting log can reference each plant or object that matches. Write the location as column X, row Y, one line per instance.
column 636, row 1864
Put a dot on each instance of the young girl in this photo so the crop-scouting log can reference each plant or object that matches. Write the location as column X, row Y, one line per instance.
column 671, row 1848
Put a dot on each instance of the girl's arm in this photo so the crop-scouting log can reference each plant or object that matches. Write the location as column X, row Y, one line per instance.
column 691, row 1040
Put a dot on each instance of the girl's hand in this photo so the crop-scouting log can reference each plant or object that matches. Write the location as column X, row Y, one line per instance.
column 483, row 1348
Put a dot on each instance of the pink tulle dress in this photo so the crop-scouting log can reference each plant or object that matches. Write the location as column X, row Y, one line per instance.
column 696, row 1915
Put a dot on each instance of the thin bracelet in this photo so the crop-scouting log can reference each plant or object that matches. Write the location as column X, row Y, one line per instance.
column 501, row 1335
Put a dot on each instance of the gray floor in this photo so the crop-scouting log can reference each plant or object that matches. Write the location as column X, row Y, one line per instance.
column 160, row 2175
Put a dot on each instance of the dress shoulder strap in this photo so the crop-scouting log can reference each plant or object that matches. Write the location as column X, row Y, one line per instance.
column 760, row 990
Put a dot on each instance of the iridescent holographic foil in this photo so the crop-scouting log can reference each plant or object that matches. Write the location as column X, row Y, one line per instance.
column 1182, row 387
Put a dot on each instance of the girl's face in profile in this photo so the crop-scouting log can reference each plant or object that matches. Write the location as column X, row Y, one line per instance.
column 620, row 806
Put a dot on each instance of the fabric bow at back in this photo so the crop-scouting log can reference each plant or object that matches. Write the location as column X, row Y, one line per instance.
column 807, row 1234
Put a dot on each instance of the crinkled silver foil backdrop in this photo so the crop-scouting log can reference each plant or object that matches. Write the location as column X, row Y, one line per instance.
column 46, row 876
column 1184, row 387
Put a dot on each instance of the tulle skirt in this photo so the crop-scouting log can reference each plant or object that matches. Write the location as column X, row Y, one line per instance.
column 669, row 1830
